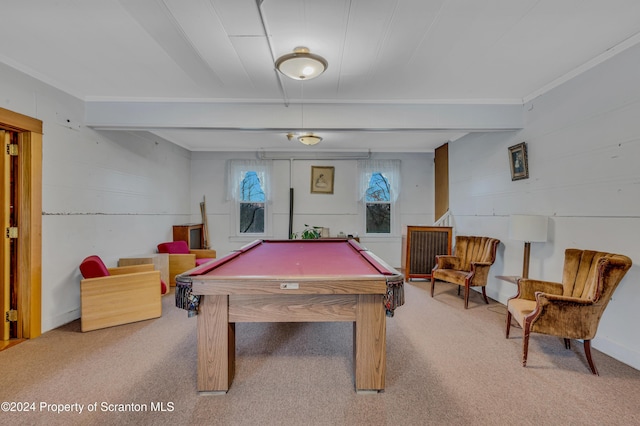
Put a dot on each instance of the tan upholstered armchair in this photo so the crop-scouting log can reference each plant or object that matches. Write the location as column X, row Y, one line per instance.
column 469, row 266
column 571, row 310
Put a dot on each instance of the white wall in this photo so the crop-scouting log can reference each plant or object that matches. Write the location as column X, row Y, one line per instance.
column 338, row 211
column 117, row 194
column 105, row 193
column 584, row 146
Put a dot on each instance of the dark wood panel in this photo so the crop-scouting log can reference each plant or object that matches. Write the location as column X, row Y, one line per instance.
column 441, row 181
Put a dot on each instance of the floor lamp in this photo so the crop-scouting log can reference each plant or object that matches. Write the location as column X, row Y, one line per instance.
column 527, row 228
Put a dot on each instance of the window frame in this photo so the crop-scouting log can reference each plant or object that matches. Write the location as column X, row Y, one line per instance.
column 243, row 178
column 390, row 170
column 388, row 202
column 237, row 171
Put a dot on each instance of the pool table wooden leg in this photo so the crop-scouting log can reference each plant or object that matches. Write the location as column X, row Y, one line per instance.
column 369, row 342
column 216, row 345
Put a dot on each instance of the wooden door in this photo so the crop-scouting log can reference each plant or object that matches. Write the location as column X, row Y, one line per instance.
column 441, row 181
column 5, row 244
column 21, row 185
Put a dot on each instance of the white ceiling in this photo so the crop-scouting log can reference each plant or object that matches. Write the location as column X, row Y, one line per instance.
column 401, row 55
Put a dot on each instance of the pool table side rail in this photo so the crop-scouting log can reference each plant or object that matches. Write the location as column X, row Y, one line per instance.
column 372, row 284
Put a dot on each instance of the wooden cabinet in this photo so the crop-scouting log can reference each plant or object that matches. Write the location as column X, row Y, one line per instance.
column 423, row 244
column 192, row 233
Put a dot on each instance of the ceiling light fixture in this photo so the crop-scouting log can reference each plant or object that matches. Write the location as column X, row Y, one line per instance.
column 301, row 64
column 309, row 139
column 305, row 138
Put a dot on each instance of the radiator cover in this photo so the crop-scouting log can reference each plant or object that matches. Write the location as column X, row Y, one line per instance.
column 424, row 243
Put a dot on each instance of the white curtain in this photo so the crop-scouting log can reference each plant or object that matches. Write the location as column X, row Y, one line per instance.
column 237, row 170
column 390, row 170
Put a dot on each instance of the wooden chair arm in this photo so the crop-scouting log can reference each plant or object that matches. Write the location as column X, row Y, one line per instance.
column 130, row 269
column 183, row 257
column 179, row 263
column 204, row 253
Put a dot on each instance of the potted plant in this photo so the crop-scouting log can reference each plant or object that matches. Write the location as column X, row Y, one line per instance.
column 308, row 233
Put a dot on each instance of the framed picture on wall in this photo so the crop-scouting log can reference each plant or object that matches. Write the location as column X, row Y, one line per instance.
column 518, row 161
column 322, row 180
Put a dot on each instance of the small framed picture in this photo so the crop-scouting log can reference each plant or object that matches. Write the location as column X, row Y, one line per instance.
column 518, row 161
column 322, row 180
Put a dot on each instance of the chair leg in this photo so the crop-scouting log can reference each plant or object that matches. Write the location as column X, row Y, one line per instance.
column 525, row 342
column 466, row 296
column 587, row 352
column 567, row 343
column 484, row 294
column 508, row 322
column 433, row 281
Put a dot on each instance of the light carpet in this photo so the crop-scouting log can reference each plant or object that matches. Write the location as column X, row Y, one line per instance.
column 445, row 366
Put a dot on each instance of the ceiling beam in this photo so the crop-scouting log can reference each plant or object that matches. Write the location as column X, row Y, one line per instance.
column 317, row 116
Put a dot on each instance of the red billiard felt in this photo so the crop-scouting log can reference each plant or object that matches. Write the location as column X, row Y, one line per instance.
column 296, row 258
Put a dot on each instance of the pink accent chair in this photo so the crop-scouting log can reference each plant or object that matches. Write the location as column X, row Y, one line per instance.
column 116, row 296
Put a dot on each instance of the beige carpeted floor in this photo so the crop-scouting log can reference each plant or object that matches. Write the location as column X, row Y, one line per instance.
column 445, row 366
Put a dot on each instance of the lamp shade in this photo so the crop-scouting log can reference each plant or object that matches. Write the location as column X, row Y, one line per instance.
column 309, row 139
column 529, row 228
column 301, row 64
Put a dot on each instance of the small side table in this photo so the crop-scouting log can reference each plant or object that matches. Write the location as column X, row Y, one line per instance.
column 160, row 263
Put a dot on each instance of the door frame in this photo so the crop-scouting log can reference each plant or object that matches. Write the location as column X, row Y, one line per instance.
column 29, row 215
column 441, row 181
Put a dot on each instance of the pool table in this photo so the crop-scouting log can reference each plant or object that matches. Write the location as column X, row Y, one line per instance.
column 291, row 281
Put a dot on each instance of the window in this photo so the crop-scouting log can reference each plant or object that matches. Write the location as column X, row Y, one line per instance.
column 379, row 188
column 248, row 187
column 251, row 204
column 378, row 205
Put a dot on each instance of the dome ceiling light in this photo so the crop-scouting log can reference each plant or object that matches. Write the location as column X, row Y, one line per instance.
column 305, row 138
column 301, row 64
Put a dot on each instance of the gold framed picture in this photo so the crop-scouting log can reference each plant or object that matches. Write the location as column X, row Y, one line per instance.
column 322, row 179
column 518, row 161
